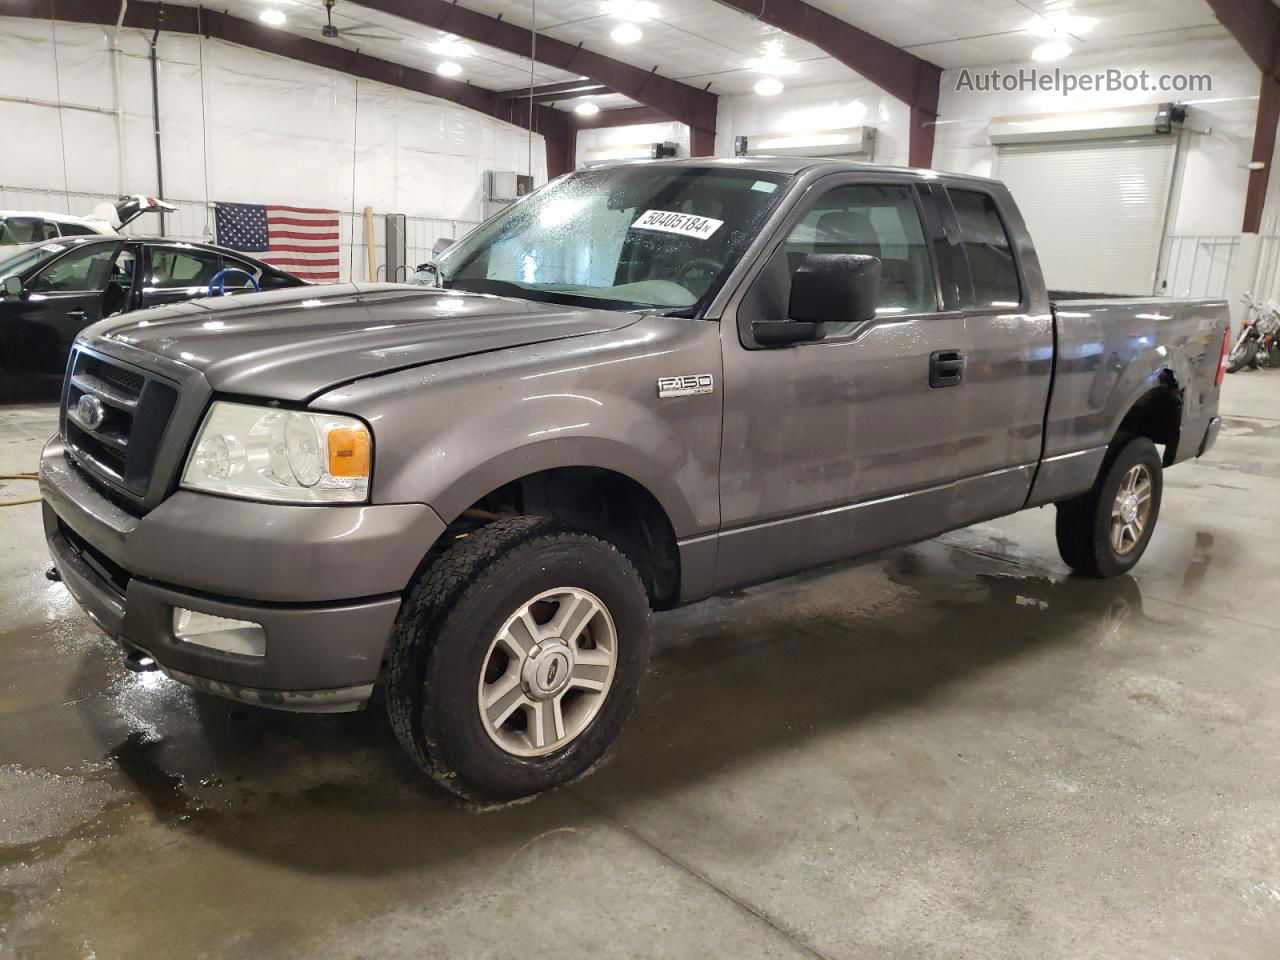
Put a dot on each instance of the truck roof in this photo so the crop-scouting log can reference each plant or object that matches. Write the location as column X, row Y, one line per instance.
column 796, row 165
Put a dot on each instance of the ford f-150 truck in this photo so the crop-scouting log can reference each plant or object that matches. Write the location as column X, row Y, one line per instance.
column 637, row 387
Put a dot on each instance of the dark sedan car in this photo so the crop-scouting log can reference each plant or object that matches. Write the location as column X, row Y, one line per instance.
column 53, row 290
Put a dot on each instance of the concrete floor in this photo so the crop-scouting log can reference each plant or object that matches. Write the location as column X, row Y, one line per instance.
column 954, row 750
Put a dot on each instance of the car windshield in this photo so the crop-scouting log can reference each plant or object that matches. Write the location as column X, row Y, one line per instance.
column 623, row 238
column 16, row 260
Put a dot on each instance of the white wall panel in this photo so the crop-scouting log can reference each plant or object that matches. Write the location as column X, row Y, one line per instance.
column 1095, row 208
column 271, row 130
column 807, row 109
column 1209, row 198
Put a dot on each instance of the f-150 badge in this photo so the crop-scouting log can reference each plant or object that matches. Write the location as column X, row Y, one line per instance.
column 686, row 386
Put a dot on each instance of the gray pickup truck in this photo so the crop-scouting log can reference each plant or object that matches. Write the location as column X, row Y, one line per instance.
column 637, row 387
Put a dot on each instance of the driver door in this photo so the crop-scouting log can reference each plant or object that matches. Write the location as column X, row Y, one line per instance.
column 843, row 445
column 60, row 301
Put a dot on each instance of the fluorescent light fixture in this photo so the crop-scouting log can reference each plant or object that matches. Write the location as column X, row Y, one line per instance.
column 634, row 10
column 626, row 32
column 1054, row 25
column 449, row 69
column 1051, row 50
column 769, row 87
column 272, row 17
column 586, row 109
column 450, row 46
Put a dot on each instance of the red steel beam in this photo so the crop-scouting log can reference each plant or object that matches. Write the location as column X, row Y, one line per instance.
column 143, row 14
column 678, row 101
column 914, row 81
column 1256, row 26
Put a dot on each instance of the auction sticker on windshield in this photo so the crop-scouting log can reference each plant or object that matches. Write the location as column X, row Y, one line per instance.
column 685, row 224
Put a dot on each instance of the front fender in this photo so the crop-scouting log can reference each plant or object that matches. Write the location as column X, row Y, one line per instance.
column 448, row 434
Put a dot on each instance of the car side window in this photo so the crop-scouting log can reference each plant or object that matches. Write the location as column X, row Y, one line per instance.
column 28, row 230
column 175, row 268
column 987, row 247
column 86, row 269
column 238, row 281
column 879, row 221
column 75, row 230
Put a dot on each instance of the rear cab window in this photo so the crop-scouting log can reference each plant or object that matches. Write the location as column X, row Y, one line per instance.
column 989, row 251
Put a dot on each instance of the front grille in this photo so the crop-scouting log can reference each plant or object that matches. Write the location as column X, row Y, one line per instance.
column 113, row 419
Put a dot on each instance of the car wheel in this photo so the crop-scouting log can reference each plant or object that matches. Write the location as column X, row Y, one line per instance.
column 1104, row 532
column 516, row 658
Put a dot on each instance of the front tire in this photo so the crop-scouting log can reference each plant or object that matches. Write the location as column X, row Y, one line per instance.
column 1103, row 533
column 516, row 658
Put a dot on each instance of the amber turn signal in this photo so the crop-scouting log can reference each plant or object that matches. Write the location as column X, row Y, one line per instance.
column 349, row 452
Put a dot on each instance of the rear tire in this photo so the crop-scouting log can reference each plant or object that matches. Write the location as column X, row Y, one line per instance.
column 516, row 658
column 1103, row 533
column 1245, row 356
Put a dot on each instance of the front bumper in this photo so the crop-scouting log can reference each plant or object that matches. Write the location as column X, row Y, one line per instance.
column 324, row 583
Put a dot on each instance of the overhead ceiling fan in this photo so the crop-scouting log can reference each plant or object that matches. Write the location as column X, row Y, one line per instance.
column 331, row 32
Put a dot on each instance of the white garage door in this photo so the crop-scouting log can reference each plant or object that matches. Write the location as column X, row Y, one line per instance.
column 1095, row 209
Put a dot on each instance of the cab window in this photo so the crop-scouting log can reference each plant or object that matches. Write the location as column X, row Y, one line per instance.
column 872, row 221
column 86, row 269
column 987, row 247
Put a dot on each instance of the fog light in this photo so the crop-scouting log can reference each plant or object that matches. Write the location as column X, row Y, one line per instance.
column 243, row 637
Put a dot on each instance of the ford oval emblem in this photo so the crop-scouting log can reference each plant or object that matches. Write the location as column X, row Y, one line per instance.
column 89, row 412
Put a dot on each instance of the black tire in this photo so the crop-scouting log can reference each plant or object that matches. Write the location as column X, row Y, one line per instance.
column 1084, row 523
column 1245, row 356
column 442, row 639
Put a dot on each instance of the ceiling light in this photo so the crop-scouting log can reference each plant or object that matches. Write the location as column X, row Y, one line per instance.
column 769, row 87
column 1055, row 25
column 449, row 69
column 450, row 46
column 633, row 10
column 626, row 32
column 1050, row 51
column 772, row 60
column 275, row 18
column 586, row 109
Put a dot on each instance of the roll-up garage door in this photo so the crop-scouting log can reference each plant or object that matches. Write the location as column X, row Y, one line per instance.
column 1095, row 209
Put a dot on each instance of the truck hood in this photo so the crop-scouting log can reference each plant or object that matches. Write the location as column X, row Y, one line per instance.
column 294, row 344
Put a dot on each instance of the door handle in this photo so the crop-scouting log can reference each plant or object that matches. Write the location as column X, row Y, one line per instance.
column 77, row 314
column 946, row 368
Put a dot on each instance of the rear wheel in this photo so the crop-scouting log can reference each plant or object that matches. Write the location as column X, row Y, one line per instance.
column 516, row 658
column 1245, row 355
column 1103, row 533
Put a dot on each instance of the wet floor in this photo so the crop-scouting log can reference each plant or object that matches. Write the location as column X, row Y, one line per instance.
column 951, row 750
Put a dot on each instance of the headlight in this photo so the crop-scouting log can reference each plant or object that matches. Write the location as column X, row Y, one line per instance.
column 290, row 456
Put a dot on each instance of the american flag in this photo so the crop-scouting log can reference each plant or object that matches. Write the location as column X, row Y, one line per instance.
column 299, row 240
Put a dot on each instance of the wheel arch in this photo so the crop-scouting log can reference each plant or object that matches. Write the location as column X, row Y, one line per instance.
column 593, row 497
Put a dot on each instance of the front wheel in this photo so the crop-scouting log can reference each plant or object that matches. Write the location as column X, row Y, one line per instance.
column 516, row 658
column 1103, row 533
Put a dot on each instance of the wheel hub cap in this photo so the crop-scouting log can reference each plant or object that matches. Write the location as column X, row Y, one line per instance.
column 548, row 670
column 1129, row 508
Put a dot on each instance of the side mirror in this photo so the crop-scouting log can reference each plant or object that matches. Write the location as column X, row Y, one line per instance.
column 826, row 288
column 13, row 286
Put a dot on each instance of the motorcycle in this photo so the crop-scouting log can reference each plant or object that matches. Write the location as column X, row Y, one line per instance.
column 1259, row 342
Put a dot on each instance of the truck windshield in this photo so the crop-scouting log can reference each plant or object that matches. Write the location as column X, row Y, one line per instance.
column 622, row 238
